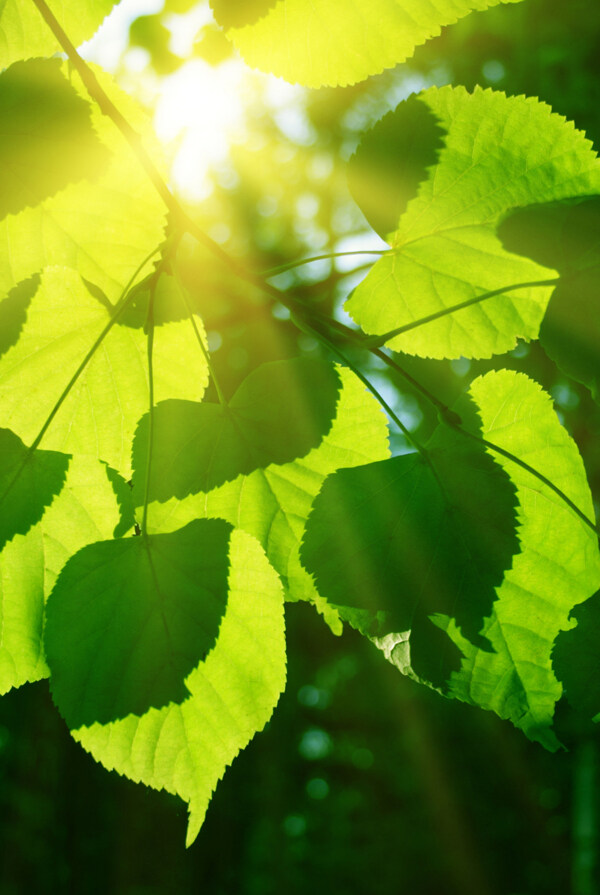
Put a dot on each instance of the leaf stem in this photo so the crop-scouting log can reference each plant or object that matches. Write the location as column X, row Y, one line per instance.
column 374, row 391
column 203, row 348
column 271, row 272
column 150, row 354
column 451, row 418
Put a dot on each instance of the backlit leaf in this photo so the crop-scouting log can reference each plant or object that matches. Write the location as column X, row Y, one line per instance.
column 395, row 542
column 557, row 568
column 128, row 620
column 103, row 228
column 566, row 236
column 272, row 504
column 186, row 747
column 24, row 33
column 101, row 412
column 499, row 152
column 280, row 412
column 85, row 510
column 46, row 136
column 317, row 42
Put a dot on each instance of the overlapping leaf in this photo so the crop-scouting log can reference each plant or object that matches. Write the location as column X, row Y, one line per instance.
column 129, row 619
column 575, row 658
column 317, row 42
column 24, row 33
column 279, row 413
column 103, row 228
column 186, row 746
column 100, row 413
column 273, row 503
column 85, row 509
column 566, row 236
column 557, row 568
column 46, row 136
column 394, row 543
column 499, row 152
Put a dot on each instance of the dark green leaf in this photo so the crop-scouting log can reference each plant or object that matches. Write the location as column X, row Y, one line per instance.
column 28, row 483
column 405, row 539
column 566, row 236
column 575, row 658
column 280, row 412
column 391, row 161
column 128, row 620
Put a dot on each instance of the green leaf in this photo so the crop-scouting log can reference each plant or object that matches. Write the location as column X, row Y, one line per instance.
column 272, row 504
column 396, row 542
column 558, row 566
column 105, row 228
column 499, row 152
column 316, row 42
column 100, row 414
column 392, row 160
column 186, row 747
column 280, row 412
column 24, row 33
column 46, row 135
column 237, row 13
column 84, row 511
column 575, row 658
column 566, row 236
column 28, row 483
column 128, row 620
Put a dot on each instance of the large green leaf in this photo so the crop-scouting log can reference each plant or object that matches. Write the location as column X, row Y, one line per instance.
column 46, row 135
column 317, row 42
column 84, row 511
column 557, row 568
column 185, row 747
column 566, row 236
column 500, row 152
column 129, row 619
column 24, row 33
column 103, row 228
column 272, row 504
column 100, row 414
column 280, row 412
column 394, row 543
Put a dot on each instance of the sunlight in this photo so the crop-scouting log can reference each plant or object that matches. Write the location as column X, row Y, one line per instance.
column 200, row 109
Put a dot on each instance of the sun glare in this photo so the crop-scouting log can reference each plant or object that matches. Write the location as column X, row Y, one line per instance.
column 200, row 109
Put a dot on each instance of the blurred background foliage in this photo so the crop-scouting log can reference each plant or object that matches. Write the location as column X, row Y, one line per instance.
column 363, row 782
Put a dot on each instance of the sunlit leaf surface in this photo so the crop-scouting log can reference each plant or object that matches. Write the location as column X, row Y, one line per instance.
column 84, row 510
column 101, row 411
column 186, row 746
column 24, row 33
column 498, row 152
column 317, row 42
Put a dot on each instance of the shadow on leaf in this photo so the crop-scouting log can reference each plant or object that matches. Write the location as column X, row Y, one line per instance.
column 128, row 620
column 47, row 140
column 238, row 13
column 575, row 658
column 565, row 236
column 394, row 543
column 279, row 413
column 392, row 160
column 29, row 482
column 13, row 311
